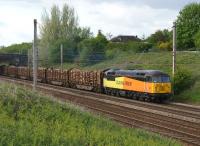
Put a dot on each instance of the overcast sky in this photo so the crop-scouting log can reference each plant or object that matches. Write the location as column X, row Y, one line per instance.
column 118, row 17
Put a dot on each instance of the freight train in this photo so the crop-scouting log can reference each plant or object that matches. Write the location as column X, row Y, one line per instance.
column 145, row 85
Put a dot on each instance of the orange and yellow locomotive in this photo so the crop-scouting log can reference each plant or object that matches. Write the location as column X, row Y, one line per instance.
column 139, row 84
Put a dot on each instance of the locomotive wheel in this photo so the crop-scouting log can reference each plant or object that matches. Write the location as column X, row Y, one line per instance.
column 129, row 94
column 148, row 99
column 113, row 92
column 117, row 93
column 142, row 98
column 107, row 91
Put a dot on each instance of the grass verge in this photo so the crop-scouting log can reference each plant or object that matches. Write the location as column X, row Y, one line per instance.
column 28, row 118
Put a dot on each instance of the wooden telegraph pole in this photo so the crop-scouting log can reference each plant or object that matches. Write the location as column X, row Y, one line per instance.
column 174, row 49
column 35, row 56
column 174, row 53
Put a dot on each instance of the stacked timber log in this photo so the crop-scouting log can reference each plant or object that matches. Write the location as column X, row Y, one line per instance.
column 88, row 80
column 23, row 72
column 41, row 74
column 57, row 76
column 11, row 71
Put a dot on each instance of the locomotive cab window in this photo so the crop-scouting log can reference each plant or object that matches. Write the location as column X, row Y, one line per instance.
column 110, row 76
column 148, row 79
column 161, row 79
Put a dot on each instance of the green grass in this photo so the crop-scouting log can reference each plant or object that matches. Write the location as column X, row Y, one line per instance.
column 28, row 118
column 156, row 60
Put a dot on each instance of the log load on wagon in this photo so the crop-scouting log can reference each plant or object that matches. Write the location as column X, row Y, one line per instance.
column 57, row 77
column 87, row 80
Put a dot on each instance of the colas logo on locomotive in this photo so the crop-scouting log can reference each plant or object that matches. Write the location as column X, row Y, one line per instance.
column 124, row 83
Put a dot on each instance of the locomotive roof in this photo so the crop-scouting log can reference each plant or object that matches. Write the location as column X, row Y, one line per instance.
column 137, row 72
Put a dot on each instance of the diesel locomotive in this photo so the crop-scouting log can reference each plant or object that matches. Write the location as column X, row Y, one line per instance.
column 146, row 85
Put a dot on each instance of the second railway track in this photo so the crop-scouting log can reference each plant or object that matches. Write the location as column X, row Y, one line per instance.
column 170, row 120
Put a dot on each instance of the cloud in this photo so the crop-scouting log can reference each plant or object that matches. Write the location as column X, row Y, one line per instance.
column 18, row 18
column 2, row 24
column 168, row 4
column 120, row 18
column 132, row 17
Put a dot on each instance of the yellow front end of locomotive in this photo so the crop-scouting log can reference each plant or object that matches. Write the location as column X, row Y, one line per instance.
column 161, row 87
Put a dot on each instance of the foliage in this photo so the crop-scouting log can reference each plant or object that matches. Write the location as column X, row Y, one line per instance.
column 27, row 118
column 182, row 80
column 92, row 50
column 188, row 24
column 114, row 49
column 160, row 36
column 130, row 46
column 60, row 27
column 112, row 53
column 190, row 96
column 197, row 40
column 165, row 46
column 17, row 48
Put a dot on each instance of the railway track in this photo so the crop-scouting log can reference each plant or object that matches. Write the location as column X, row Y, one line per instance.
column 171, row 108
column 181, row 123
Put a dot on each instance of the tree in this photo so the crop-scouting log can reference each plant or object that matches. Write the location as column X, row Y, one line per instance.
column 197, row 40
column 161, row 40
column 93, row 50
column 17, row 48
column 60, row 27
column 160, row 36
column 188, row 24
column 165, row 46
column 69, row 23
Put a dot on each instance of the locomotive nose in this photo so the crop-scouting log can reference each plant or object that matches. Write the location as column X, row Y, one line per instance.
column 163, row 88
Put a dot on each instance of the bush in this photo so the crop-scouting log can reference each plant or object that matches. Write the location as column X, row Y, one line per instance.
column 165, row 46
column 136, row 47
column 182, row 80
column 112, row 53
column 114, row 49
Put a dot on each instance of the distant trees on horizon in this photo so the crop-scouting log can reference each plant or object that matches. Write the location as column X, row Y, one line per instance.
column 61, row 27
